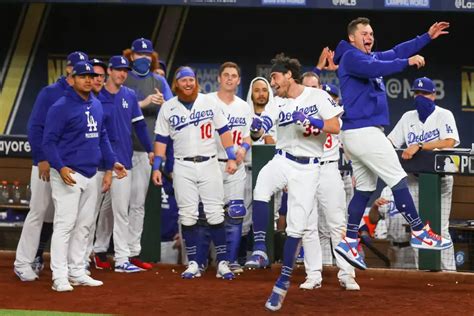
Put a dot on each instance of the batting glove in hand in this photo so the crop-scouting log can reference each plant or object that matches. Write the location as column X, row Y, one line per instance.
column 299, row 118
column 256, row 124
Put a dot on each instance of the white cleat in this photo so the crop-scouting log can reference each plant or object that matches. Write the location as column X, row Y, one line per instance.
column 223, row 271
column 85, row 280
column 310, row 284
column 192, row 271
column 25, row 274
column 350, row 284
column 62, row 285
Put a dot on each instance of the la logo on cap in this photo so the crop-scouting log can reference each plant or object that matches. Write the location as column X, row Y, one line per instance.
column 81, row 57
column 144, row 44
column 122, row 60
column 328, row 88
column 88, row 68
column 420, row 83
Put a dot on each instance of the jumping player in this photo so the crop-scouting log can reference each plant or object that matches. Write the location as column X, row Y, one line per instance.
column 189, row 120
column 366, row 112
column 300, row 114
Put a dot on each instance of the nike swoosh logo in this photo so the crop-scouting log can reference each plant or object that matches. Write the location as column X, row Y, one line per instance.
column 354, row 253
column 430, row 243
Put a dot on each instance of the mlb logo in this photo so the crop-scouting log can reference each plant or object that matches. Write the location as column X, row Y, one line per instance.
column 447, row 163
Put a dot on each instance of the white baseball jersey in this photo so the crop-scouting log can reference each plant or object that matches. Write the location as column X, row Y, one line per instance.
column 298, row 140
column 239, row 116
column 192, row 131
column 410, row 130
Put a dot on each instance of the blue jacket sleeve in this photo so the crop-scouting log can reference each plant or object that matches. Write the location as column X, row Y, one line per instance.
column 108, row 154
column 405, row 49
column 36, row 124
column 54, row 126
column 317, row 71
column 142, row 134
column 362, row 65
column 167, row 94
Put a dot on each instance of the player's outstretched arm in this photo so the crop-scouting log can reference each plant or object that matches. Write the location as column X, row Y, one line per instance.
column 438, row 29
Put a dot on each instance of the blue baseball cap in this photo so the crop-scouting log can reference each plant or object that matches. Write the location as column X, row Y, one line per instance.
column 83, row 68
column 330, row 88
column 424, row 84
column 119, row 62
column 98, row 62
column 142, row 45
column 162, row 65
column 75, row 57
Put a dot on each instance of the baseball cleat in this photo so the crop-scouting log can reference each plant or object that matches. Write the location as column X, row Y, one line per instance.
column 127, row 267
column 85, row 280
column 275, row 301
column 26, row 274
column 310, row 284
column 258, row 260
column 62, row 285
column 38, row 265
column 141, row 264
column 428, row 239
column 100, row 262
column 349, row 283
column 223, row 271
column 192, row 271
column 235, row 267
column 348, row 250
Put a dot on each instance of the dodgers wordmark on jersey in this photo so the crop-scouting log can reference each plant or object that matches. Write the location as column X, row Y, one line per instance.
column 410, row 130
column 239, row 116
column 192, row 131
column 298, row 140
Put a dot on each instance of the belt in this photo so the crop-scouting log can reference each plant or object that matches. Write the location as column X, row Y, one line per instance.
column 301, row 160
column 223, row 160
column 322, row 163
column 403, row 244
column 196, row 158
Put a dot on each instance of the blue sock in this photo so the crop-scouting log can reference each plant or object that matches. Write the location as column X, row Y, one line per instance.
column 356, row 211
column 260, row 215
column 289, row 256
column 405, row 205
column 204, row 240
column 45, row 236
column 219, row 238
column 190, row 236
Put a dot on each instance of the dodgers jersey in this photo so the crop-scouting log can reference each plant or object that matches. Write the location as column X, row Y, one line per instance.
column 239, row 116
column 298, row 140
column 192, row 131
column 410, row 130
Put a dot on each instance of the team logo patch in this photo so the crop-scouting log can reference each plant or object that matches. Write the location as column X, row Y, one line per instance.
column 447, row 163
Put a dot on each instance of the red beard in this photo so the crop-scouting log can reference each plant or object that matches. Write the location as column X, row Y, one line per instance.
column 187, row 98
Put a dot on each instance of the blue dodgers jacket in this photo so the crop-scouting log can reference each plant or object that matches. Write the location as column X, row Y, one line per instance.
column 121, row 111
column 75, row 136
column 46, row 98
column 361, row 80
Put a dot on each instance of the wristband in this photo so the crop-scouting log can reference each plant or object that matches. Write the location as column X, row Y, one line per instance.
column 246, row 146
column 316, row 122
column 157, row 163
column 230, row 153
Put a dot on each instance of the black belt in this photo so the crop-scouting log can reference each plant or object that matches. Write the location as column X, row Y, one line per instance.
column 223, row 160
column 197, row 158
column 301, row 160
column 402, row 244
column 322, row 163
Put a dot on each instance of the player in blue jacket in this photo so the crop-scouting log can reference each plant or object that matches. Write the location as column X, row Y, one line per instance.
column 74, row 141
column 126, row 117
column 360, row 75
column 29, row 260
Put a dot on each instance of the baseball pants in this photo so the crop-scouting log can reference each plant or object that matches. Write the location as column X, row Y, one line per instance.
column 75, row 207
column 41, row 210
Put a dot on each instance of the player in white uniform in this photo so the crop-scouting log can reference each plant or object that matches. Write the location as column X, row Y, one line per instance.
column 331, row 203
column 190, row 120
column 426, row 128
column 300, row 113
column 239, row 116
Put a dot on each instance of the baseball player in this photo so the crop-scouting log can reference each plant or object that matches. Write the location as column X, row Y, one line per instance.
column 41, row 204
column 74, row 141
column 366, row 110
column 151, row 90
column 239, row 116
column 100, row 68
column 126, row 114
column 401, row 254
column 190, row 120
column 300, row 113
column 426, row 128
column 331, row 205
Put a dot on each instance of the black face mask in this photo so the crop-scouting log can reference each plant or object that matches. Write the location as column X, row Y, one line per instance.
column 424, row 107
